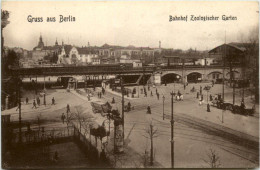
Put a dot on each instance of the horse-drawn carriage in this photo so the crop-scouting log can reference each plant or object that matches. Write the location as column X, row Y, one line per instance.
column 100, row 107
column 233, row 108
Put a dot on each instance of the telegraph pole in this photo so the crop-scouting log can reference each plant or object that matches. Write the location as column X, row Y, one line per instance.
column 123, row 105
column 163, row 106
column 20, row 112
column 224, row 58
column 172, row 128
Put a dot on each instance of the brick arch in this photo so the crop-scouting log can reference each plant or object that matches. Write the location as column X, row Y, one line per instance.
column 237, row 74
column 171, row 72
column 215, row 72
column 195, row 71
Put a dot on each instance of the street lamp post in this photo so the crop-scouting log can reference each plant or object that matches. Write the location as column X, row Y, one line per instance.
column 172, row 128
column 174, row 85
column 222, row 117
column 163, row 106
column 207, row 97
column 44, row 83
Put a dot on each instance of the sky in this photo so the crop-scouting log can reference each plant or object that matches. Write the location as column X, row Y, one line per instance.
column 142, row 24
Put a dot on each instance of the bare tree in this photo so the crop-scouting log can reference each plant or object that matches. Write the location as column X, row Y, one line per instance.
column 79, row 116
column 151, row 132
column 68, row 120
column 213, row 159
column 39, row 120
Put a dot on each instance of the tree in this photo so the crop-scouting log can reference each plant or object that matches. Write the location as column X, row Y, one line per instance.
column 11, row 59
column 4, row 23
column 151, row 133
column 251, row 66
column 212, row 159
column 83, row 120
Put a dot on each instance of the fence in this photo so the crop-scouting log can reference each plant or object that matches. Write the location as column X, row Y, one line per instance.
column 91, row 151
column 41, row 136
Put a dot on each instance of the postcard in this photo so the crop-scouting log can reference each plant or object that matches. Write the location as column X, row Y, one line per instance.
column 120, row 84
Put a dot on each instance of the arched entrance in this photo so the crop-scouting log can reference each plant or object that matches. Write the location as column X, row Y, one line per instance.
column 236, row 75
column 171, row 78
column 215, row 75
column 194, row 77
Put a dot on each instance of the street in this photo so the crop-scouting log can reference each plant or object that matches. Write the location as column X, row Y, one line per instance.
column 192, row 142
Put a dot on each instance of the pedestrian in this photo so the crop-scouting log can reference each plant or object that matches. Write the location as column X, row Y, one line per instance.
column 88, row 97
column 68, row 108
column 208, row 107
column 242, row 106
column 158, row 96
column 34, row 104
column 210, row 97
column 100, row 95
column 156, row 91
column 179, row 93
column 200, row 90
column 201, row 97
column 27, row 100
column 103, row 91
column 63, row 118
column 151, row 93
column 129, row 106
column 38, row 101
column 113, row 100
column 198, row 95
column 200, row 103
column 53, row 101
column 184, row 86
column 145, row 94
column 148, row 88
column 149, row 110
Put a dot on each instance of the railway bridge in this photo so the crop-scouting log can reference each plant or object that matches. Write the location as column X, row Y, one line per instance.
column 158, row 74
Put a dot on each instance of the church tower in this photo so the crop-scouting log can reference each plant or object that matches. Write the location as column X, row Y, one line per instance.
column 56, row 43
column 40, row 43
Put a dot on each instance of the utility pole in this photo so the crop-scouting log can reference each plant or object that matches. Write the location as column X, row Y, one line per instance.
column 243, row 75
column 223, row 80
column 233, row 89
column 151, row 155
column 44, row 84
column 123, row 105
column 163, row 106
column 172, row 128
column 20, row 112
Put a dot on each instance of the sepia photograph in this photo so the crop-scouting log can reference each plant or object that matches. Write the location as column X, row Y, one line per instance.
column 121, row 84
